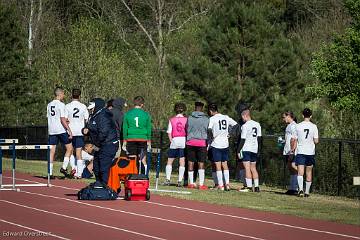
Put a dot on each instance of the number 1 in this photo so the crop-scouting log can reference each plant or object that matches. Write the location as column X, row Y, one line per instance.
column 137, row 121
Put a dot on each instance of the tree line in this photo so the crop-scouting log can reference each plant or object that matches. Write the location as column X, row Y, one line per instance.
column 276, row 55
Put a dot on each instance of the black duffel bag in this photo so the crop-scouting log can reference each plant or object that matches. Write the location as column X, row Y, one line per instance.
column 97, row 192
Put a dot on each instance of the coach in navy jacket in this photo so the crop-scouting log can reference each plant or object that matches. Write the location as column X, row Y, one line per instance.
column 102, row 131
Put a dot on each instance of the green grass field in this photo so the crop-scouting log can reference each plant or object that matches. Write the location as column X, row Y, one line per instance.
column 329, row 208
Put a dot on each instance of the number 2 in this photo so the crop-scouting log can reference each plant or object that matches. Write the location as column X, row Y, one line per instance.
column 76, row 111
column 307, row 133
column 137, row 121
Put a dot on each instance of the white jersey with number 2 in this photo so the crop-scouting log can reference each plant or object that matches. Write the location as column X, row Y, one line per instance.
column 219, row 124
column 77, row 114
column 250, row 131
column 305, row 134
column 55, row 111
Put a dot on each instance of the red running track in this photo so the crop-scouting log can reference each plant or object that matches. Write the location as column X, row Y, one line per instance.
column 56, row 211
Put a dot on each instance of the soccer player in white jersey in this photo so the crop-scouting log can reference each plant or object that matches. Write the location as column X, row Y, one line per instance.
column 219, row 133
column 306, row 136
column 77, row 114
column 250, row 147
column 58, row 127
column 289, row 118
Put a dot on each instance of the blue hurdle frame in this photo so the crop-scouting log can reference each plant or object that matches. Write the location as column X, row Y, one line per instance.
column 13, row 148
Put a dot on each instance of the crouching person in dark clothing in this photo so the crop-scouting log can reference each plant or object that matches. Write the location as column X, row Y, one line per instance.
column 102, row 131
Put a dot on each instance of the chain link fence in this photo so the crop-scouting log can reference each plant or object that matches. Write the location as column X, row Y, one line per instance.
column 337, row 160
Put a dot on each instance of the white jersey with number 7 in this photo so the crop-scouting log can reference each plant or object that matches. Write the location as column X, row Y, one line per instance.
column 305, row 134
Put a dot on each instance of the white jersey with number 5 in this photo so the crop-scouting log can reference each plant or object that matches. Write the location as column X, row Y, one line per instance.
column 55, row 111
column 77, row 114
column 250, row 131
column 305, row 134
column 219, row 124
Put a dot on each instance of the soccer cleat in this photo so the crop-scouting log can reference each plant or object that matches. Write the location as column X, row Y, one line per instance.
column 245, row 189
column 179, row 184
column 72, row 173
column 291, row 192
column 301, row 193
column 166, row 183
column 227, row 187
column 64, row 171
column 257, row 189
column 191, row 185
column 221, row 188
column 203, row 187
column 306, row 195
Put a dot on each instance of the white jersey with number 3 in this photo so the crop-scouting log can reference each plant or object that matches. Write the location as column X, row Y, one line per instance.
column 77, row 113
column 305, row 134
column 219, row 124
column 55, row 111
column 250, row 131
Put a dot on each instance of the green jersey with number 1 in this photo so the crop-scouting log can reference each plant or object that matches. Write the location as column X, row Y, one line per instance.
column 137, row 125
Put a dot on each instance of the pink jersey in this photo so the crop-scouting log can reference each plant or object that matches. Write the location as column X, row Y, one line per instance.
column 196, row 142
column 178, row 126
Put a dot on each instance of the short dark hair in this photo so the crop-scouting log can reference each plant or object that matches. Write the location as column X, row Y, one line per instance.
column 212, row 107
column 179, row 107
column 199, row 104
column 289, row 113
column 307, row 113
column 57, row 90
column 139, row 100
column 76, row 93
column 109, row 103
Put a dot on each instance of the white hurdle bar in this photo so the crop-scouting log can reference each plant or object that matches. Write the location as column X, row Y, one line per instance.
column 9, row 141
column 13, row 148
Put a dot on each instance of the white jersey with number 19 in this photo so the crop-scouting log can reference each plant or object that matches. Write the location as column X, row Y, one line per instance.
column 77, row 113
column 305, row 134
column 55, row 111
column 219, row 124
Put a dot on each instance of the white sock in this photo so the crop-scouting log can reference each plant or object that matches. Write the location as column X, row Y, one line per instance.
column 307, row 187
column 168, row 171
column 72, row 162
column 242, row 175
column 145, row 168
column 181, row 173
column 248, row 182
column 201, row 176
column 214, row 176
column 227, row 176
column 191, row 177
column 293, row 182
column 66, row 162
column 300, row 180
column 51, row 168
column 219, row 176
column 256, row 182
column 80, row 167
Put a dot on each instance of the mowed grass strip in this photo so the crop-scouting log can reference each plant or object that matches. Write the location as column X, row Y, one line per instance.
column 322, row 207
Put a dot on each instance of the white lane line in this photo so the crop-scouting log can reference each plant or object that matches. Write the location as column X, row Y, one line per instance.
column 256, row 220
column 145, row 216
column 35, row 230
column 81, row 220
column 233, row 216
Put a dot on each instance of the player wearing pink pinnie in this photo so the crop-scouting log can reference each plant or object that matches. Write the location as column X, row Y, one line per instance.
column 177, row 136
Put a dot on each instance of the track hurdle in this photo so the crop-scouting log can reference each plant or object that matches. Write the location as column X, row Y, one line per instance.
column 157, row 151
column 13, row 148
